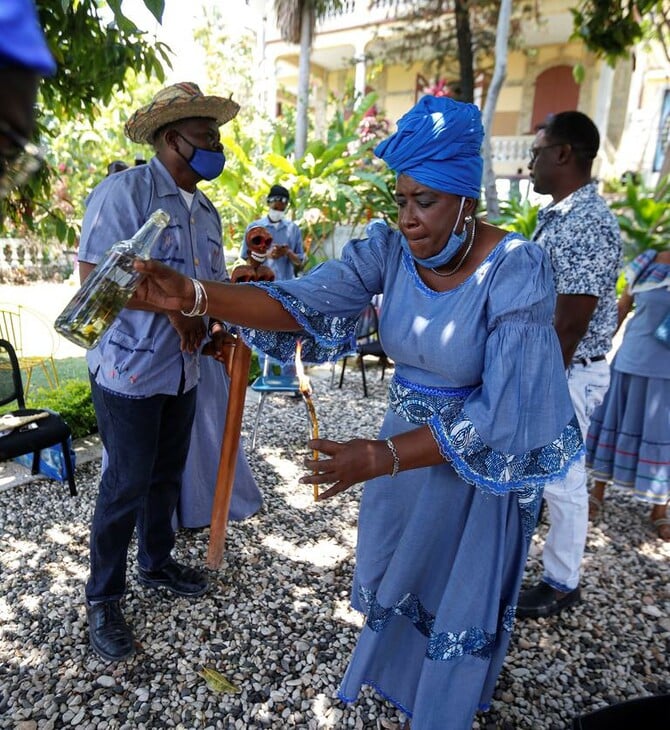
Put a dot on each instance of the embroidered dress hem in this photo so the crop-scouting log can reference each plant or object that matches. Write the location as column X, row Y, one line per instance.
column 380, row 692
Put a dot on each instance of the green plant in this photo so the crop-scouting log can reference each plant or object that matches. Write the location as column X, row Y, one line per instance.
column 644, row 216
column 337, row 182
column 73, row 401
column 517, row 215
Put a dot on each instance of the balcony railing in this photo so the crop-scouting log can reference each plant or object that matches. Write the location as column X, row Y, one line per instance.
column 511, row 154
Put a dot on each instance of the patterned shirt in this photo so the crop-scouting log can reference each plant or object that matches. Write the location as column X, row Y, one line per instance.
column 582, row 239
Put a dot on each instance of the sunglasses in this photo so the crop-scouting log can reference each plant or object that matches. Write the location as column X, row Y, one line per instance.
column 19, row 160
column 277, row 199
column 260, row 240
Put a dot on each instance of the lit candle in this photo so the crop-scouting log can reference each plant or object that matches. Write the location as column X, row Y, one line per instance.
column 306, row 392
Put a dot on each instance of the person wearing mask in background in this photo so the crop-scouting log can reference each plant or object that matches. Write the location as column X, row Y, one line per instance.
column 286, row 256
column 582, row 240
column 145, row 370
column 24, row 59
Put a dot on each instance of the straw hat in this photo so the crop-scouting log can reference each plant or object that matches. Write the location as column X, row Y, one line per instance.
column 179, row 101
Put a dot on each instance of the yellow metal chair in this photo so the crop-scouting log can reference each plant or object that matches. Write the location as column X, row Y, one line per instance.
column 33, row 340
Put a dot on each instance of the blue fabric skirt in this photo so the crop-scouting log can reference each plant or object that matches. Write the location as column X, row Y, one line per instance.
column 438, row 570
column 199, row 481
column 629, row 437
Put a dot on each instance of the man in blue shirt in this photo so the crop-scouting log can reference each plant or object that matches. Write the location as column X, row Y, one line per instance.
column 145, row 370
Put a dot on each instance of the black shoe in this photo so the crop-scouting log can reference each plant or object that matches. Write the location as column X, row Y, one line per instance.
column 543, row 600
column 108, row 631
column 179, row 579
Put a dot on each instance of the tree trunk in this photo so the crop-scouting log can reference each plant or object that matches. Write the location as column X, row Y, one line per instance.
column 499, row 73
column 465, row 57
column 306, row 31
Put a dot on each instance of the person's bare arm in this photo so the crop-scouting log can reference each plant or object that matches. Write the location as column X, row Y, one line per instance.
column 242, row 304
column 362, row 459
column 623, row 305
column 85, row 269
column 571, row 320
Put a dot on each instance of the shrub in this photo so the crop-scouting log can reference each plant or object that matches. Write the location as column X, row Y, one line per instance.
column 73, row 401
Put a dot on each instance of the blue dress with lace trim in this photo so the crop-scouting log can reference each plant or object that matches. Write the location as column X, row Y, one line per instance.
column 441, row 550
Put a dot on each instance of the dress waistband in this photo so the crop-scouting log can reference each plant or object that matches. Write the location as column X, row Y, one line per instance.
column 586, row 361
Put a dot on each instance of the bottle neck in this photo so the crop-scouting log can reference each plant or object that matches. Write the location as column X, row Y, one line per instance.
column 142, row 242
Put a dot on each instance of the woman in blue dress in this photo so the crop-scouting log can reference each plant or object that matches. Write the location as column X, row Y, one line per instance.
column 629, row 437
column 479, row 416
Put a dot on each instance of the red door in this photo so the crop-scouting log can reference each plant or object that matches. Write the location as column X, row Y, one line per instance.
column 555, row 91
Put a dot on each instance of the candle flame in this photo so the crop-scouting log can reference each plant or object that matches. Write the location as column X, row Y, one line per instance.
column 306, row 392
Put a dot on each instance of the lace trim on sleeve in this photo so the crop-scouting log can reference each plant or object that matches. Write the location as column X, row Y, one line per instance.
column 324, row 337
column 475, row 462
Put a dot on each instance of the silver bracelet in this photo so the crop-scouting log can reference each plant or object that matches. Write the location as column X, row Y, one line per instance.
column 396, row 458
column 201, row 302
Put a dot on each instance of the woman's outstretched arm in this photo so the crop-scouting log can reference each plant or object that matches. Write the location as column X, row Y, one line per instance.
column 241, row 304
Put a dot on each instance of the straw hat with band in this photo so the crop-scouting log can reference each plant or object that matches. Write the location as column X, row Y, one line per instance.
column 179, row 101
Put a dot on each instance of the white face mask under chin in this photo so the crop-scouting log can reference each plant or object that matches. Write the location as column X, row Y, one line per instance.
column 276, row 215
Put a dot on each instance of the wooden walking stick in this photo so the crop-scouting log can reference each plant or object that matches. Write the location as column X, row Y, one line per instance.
column 239, row 376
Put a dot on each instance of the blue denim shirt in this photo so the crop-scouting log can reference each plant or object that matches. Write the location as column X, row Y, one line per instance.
column 140, row 355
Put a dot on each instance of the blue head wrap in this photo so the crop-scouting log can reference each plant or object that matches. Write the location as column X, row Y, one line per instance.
column 22, row 41
column 438, row 144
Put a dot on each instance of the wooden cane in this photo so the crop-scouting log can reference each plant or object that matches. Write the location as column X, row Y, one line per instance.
column 239, row 376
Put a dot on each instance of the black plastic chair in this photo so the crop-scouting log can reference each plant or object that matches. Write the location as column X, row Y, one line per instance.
column 49, row 429
column 367, row 344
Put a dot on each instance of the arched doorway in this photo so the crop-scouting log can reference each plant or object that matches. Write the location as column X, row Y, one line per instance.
column 555, row 91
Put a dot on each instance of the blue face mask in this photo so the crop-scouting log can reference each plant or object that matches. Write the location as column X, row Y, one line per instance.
column 450, row 249
column 206, row 163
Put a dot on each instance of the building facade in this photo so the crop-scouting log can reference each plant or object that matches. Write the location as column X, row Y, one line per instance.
column 629, row 103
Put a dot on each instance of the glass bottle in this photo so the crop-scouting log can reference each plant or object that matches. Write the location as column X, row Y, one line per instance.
column 109, row 286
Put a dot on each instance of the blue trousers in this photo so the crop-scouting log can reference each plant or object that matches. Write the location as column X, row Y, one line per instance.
column 147, row 441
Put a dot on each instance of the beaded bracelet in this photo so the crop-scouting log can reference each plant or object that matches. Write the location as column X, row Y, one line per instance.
column 396, row 458
column 201, row 302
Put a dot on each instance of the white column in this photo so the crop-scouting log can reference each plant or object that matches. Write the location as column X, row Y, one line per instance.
column 601, row 112
column 359, row 77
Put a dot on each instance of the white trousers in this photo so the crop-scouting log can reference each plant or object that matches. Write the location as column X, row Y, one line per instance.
column 567, row 498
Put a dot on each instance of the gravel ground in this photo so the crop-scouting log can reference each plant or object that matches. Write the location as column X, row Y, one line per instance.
column 277, row 622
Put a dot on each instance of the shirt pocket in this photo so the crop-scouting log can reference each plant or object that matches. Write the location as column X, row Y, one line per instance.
column 210, row 252
column 171, row 246
column 126, row 357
